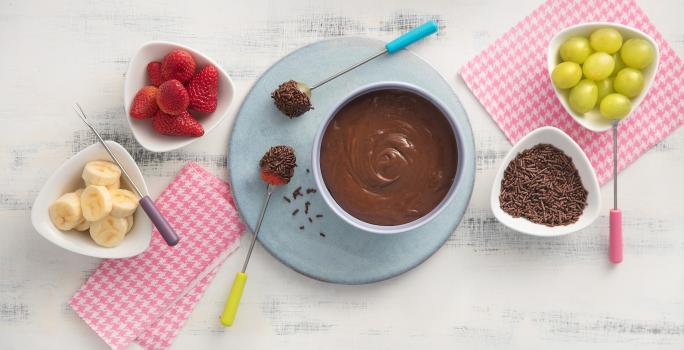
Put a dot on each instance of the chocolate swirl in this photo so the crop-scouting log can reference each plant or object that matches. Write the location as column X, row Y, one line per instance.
column 389, row 157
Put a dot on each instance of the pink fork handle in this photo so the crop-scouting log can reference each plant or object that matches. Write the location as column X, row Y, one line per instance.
column 615, row 244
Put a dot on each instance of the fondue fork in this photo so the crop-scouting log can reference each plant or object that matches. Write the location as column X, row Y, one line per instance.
column 615, row 240
column 230, row 309
column 163, row 226
column 406, row 39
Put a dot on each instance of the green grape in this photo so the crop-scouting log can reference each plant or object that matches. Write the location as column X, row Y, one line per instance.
column 566, row 75
column 583, row 96
column 637, row 53
column 575, row 49
column 598, row 66
column 629, row 82
column 618, row 64
column 615, row 106
column 606, row 40
column 605, row 88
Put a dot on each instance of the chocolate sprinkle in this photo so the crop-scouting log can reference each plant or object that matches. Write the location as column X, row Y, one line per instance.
column 541, row 184
column 281, row 161
column 295, row 212
column 306, row 207
column 310, row 220
column 311, row 190
column 287, row 199
column 322, row 234
column 297, row 193
column 307, row 171
column 301, row 227
column 290, row 100
column 319, row 215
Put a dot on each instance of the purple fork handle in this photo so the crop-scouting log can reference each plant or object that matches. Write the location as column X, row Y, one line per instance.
column 167, row 232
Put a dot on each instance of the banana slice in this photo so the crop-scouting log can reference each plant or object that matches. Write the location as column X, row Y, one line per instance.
column 129, row 220
column 96, row 202
column 115, row 186
column 83, row 226
column 101, row 173
column 109, row 231
column 124, row 203
column 65, row 212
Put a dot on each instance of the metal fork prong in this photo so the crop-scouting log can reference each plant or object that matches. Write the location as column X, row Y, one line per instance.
column 84, row 118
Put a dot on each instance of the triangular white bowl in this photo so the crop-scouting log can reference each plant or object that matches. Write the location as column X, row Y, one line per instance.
column 68, row 179
column 136, row 78
column 593, row 120
column 562, row 141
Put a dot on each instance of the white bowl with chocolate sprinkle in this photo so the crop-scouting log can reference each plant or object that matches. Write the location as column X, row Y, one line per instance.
column 546, row 186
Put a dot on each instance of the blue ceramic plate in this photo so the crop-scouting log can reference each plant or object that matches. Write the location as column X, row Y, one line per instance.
column 345, row 254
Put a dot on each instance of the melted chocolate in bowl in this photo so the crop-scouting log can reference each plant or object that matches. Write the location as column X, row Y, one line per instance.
column 388, row 157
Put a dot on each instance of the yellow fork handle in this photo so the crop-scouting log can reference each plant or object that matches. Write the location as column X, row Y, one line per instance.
column 233, row 300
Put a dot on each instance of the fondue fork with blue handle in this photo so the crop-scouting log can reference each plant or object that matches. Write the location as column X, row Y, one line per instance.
column 426, row 29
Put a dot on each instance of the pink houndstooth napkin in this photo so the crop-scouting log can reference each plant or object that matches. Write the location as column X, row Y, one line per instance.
column 147, row 298
column 510, row 79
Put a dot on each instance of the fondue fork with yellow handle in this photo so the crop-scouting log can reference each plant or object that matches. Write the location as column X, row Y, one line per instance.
column 277, row 168
column 233, row 301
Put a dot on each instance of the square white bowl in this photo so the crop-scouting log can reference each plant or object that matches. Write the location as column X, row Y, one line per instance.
column 593, row 120
column 562, row 141
column 67, row 178
column 136, row 78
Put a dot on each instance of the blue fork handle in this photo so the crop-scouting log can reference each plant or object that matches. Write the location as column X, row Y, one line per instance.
column 425, row 29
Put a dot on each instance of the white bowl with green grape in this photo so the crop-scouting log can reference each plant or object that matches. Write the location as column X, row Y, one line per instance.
column 601, row 71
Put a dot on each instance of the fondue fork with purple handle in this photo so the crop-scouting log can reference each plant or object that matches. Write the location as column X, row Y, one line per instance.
column 165, row 229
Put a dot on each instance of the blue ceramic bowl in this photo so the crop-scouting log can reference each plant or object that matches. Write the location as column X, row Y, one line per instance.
column 323, row 189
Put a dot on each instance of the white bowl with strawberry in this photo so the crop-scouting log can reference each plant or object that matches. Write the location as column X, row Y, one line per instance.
column 173, row 95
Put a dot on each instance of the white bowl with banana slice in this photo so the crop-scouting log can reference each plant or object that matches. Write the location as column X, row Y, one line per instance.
column 86, row 208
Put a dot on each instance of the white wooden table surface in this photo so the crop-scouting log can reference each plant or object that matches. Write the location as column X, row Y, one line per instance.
column 487, row 288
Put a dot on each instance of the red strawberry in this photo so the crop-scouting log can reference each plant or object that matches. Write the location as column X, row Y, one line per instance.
column 203, row 90
column 178, row 64
column 271, row 178
column 177, row 125
column 144, row 103
column 154, row 72
column 172, row 97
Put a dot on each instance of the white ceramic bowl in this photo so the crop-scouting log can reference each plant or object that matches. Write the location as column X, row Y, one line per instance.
column 593, row 120
column 136, row 78
column 323, row 189
column 562, row 141
column 67, row 178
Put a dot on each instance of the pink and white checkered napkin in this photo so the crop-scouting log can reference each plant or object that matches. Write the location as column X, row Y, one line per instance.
column 510, row 79
column 147, row 298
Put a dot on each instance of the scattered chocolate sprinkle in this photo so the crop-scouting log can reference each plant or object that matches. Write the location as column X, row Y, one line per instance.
column 310, row 190
column 295, row 212
column 297, row 193
column 301, row 227
column 310, row 220
column 322, row 234
column 290, row 100
column 306, row 207
column 307, row 171
column 280, row 161
column 541, row 184
column 319, row 215
column 287, row 199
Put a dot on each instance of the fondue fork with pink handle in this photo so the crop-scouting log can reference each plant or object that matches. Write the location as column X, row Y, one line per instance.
column 615, row 241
